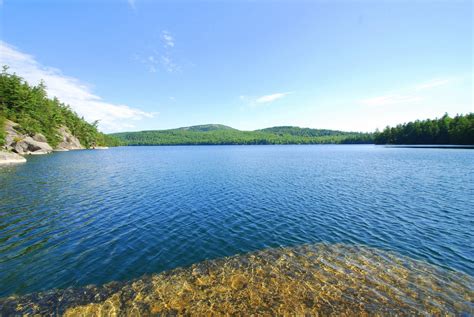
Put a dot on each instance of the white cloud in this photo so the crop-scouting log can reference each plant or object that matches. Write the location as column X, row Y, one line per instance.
column 169, row 65
column 390, row 100
column 434, row 83
column 266, row 99
column 162, row 58
column 152, row 64
column 112, row 117
column 167, row 38
column 413, row 94
column 132, row 4
column 271, row 98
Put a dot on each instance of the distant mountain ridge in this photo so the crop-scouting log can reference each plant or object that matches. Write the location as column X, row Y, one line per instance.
column 206, row 127
column 215, row 134
column 297, row 131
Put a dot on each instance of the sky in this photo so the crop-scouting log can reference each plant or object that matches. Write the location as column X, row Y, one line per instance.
column 144, row 65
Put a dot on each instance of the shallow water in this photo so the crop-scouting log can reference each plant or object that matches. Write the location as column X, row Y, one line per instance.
column 90, row 217
column 311, row 279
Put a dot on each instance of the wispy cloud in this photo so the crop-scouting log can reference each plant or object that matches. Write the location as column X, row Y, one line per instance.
column 390, row 100
column 434, row 83
column 132, row 4
column 410, row 95
column 166, row 58
column 169, row 65
column 112, row 117
column 266, row 99
column 162, row 57
column 271, row 98
column 167, row 39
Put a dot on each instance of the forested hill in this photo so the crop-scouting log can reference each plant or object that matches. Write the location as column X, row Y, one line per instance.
column 206, row 127
column 458, row 130
column 215, row 134
column 35, row 113
column 303, row 132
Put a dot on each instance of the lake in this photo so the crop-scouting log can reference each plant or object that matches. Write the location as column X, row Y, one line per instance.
column 90, row 217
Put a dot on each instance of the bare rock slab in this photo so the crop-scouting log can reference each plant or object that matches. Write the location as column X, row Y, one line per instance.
column 10, row 158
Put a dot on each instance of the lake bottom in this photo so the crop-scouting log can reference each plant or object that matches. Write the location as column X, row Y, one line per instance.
column 315, row 279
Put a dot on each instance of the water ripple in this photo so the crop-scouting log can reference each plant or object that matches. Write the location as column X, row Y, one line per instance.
column 90, row 217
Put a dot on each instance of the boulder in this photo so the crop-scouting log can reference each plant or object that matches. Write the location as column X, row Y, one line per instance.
column 10, row 158
column 68, row 141
column 28, row 145
column 37, row 144
column 24, row 144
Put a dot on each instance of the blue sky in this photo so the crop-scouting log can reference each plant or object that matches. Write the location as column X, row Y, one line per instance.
column 349, row 65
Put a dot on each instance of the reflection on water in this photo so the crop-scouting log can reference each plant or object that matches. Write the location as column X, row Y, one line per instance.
column 313, row 279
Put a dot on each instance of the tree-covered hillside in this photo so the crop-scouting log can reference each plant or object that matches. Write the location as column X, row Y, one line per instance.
column 206, row 128
column 30, row 107
column 445, row 130
column 219, row 134
column 303, row 132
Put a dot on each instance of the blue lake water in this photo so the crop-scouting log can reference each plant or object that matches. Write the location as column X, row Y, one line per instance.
column 89, row 217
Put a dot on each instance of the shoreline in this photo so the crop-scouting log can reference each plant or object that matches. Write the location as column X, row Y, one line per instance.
column 429, row 146
column 12, row 158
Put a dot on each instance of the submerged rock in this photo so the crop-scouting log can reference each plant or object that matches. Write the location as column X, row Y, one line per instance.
column 10, row 158
column 313, row 280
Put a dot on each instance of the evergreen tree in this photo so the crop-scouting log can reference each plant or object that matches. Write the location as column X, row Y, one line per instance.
column 30, row 107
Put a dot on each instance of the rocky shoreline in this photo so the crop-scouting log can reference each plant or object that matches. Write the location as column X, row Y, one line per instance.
column 18, row 145
column 11, row 158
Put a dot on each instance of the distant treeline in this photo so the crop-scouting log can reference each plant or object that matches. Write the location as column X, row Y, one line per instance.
column 445, row 130
column 30, row 107
column 222, row 135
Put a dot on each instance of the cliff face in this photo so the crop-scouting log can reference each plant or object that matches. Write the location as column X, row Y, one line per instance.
column 69, row 141
column 22, row 144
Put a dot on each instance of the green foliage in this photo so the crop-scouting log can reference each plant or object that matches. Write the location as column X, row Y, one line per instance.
column 2, row 130
column 206, row 127
column 445, row 130
column 219, row 134
column 302, row 132
column 30, row 107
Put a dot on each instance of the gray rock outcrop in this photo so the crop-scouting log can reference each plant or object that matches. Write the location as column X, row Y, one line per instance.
column 37, row 144
column 10, row 158
column 24, row 144
column 28, row 145
column 39, row 137
column 69, row 141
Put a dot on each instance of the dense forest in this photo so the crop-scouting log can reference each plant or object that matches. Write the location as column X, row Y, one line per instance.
column 215, row 134
column 30, row 107
column 445, row 130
